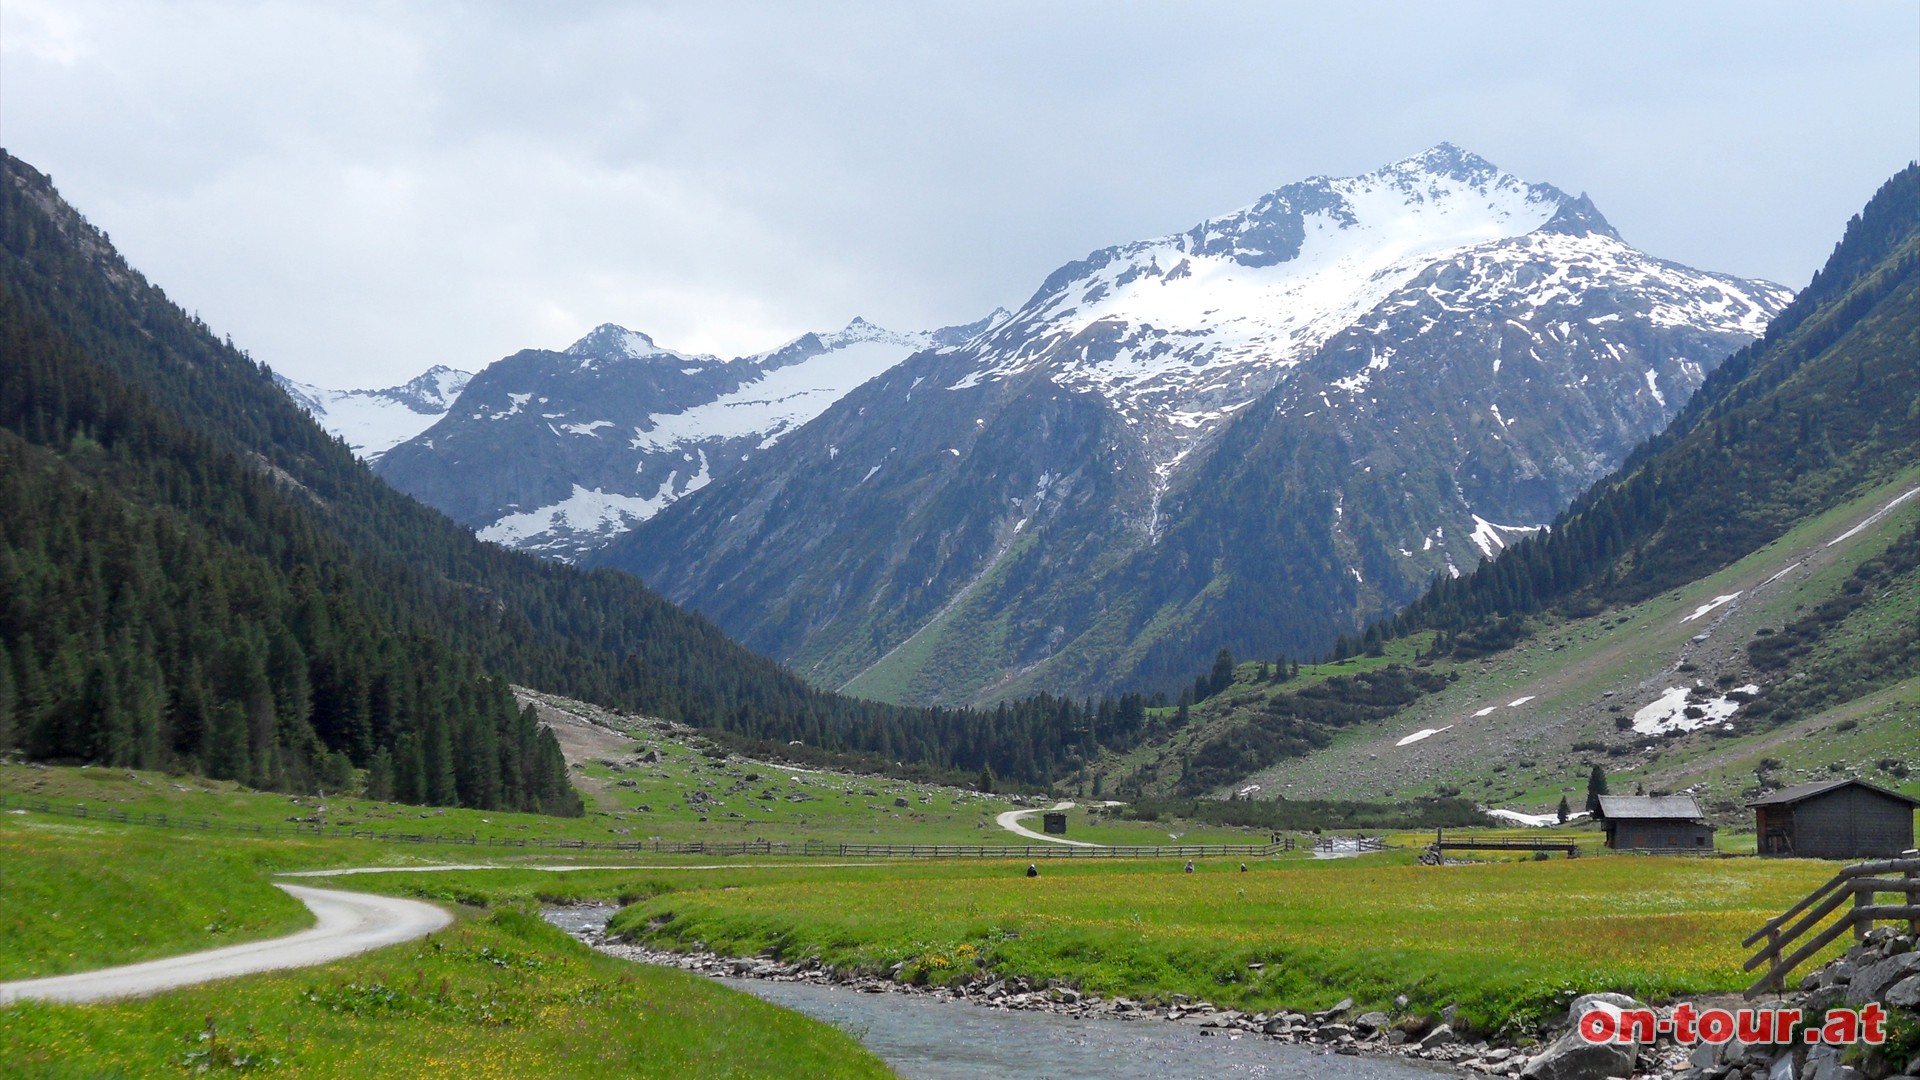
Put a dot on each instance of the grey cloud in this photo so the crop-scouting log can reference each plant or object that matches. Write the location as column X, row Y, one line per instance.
column 359, row 191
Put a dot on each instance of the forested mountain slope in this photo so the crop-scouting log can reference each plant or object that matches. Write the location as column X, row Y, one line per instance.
column 130, row 418
column 166, row 603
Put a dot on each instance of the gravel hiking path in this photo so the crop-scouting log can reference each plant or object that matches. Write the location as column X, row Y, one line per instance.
column 1010, row 821
column 345, row 924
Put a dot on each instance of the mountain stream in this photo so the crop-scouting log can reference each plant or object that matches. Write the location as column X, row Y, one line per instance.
column 924, row 1038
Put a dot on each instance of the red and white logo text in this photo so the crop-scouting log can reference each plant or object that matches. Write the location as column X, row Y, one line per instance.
column 1842, row 1027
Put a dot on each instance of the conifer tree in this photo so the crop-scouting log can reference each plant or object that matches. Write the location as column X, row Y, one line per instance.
column 436, row 763
column 1222, row 676
column 227, row 755
column 380, row 776
column 1596, row 787
column 7, row 699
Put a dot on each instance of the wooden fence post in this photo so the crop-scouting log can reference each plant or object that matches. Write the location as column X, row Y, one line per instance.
column 1913, row 890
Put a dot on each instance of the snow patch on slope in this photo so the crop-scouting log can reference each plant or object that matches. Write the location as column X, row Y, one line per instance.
column 1492, row 539
column 1531, row 821
column 784, row 398
column 1710, row 605
column 375, row 421
column 1668, row 712
column 589, row 513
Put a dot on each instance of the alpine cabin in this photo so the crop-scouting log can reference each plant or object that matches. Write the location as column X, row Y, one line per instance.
column 1659, row 823
column 1834, row 819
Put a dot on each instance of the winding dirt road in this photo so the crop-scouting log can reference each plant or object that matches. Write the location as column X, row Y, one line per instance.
column 1010, row 821
column 346, row 924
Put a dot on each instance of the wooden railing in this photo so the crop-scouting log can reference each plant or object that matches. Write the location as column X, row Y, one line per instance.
column 1360, row 845
column 1860, row 884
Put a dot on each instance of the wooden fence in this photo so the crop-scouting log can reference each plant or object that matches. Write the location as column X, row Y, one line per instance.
column 1858, row 883
column 1044, row 851
column 812, row 848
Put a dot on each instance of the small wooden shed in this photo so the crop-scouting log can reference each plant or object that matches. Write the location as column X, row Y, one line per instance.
column 1834, row 819
column 1669, row 823
column 1053, row 824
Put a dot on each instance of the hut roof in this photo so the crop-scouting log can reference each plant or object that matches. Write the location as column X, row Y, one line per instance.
column 1787, row 796
column 1650, row 808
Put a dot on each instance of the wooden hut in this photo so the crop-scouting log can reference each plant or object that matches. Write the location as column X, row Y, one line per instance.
column 1834, row 819
column 1668, row 823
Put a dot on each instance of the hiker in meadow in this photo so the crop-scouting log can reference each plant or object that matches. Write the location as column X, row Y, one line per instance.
column 1189, row 866
column 1033, row 870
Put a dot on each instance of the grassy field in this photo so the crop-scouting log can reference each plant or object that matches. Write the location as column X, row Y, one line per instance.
column 1506, row 941
column 500, row 995
column 75, row 897
column 738, row 800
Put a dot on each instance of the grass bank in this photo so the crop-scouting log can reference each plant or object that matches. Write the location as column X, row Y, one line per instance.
column 498, row 994
column 1504, row 941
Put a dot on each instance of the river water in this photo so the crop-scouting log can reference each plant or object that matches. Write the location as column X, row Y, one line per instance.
column 924, row 1038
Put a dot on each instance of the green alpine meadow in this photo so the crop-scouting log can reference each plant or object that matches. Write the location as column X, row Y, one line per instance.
column 1105, row 543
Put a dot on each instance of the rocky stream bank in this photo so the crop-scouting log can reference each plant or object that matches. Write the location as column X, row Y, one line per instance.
column 1884, row 969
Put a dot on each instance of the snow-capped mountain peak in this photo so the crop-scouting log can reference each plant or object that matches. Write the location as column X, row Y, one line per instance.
column 432, row 391
column 1180, row 331
column 610, row 342
column 375, row 421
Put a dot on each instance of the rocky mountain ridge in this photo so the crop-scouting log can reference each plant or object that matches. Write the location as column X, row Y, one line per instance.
column 558, row 452
column 1258, row 432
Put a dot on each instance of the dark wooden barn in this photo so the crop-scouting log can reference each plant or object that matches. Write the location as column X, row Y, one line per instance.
column 1668, row 823
column 1834, row 819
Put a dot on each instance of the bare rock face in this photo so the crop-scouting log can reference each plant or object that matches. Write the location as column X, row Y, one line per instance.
column 1871, row 981
column 1905, row 994
column 1571, row 1057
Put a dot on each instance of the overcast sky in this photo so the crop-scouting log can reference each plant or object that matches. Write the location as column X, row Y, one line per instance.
column 358, row 191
